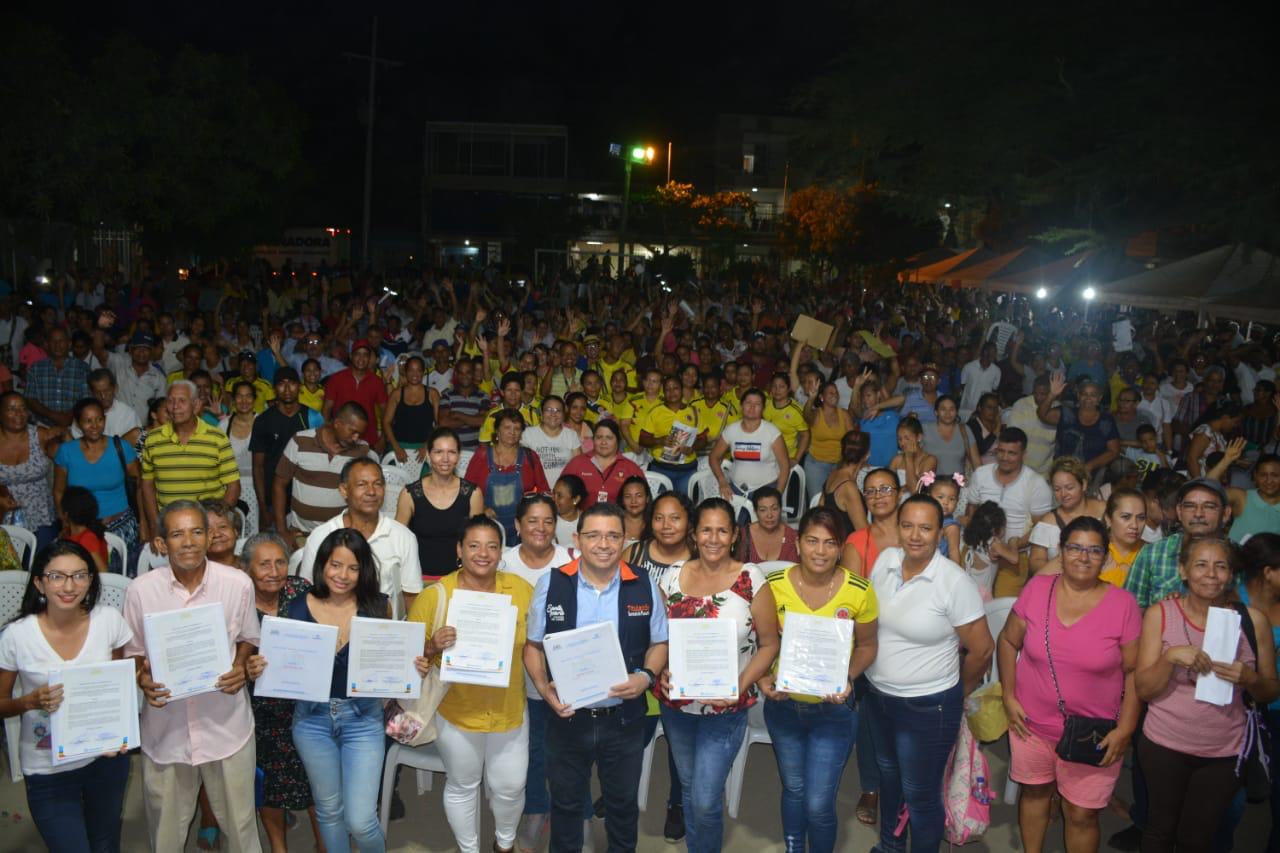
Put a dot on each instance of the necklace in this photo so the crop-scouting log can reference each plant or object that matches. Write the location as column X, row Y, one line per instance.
column 830, row 585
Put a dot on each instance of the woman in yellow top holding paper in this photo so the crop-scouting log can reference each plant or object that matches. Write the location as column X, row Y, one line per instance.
column 672, row 435
column 812, row 735
column 482, row 730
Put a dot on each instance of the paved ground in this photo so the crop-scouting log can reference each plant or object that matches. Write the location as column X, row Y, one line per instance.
column 757, row 829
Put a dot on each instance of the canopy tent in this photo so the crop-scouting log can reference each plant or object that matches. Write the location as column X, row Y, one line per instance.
column 1052, row 275
column 973, row 275
column 937, row 272
column 1231, row 281
column 928, row 256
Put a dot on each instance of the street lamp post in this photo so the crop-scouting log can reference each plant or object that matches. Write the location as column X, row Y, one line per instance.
column 637, row 154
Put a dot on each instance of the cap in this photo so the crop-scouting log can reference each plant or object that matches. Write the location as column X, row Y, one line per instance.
column 361, row 344
column 757, row 335
column 440, row 342
column 247, row 353
column 929, row 367
column 590, row 339
column 141, row 339
column 286, row 374
column 1203, row 483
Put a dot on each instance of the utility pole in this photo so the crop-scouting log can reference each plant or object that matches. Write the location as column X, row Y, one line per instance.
column 374, row 62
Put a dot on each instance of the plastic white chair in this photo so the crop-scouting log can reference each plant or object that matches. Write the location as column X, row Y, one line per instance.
column 115, row 545
column 702, row 485
column 24, row 541
column 816, row 500
column 237, row 512
column 464, row 459
column 793, row 495
column 646, row 768
column 240, row 545
column 149, row 559
column 658, row 483
column 396, row 479
column 12, row 587
column 743, row 505
column 757, row 732
column 411, row 466
column 998, row 610
column 295, row 561
column 250, row 499
column 113, row 589
column 425, row 759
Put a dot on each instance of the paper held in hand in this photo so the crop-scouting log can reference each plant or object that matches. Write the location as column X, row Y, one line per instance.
column 585, row 663
column 814, row 658
column 486, row 632
column 1221, row 640
column 99, row 710
column 682, row 436
column 188, row 649
column 704, row 658
column 813, row 332
column 299, row 659
column 380, row 658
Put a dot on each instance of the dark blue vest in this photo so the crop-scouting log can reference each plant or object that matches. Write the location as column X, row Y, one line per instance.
column 635, row 607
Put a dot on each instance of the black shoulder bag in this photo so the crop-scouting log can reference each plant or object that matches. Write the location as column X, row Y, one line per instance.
column 1081, row 736
column 130, row 484
column 1253, row 762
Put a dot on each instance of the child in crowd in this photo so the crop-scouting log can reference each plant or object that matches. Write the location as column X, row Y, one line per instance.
column 79, row 513
column 911, row 461
column 569, row 493
column 984, row 547
column 947, row 493
column 1148, row 455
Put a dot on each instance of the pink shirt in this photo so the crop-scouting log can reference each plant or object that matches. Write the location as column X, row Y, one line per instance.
column 1086, row 656
column 211, row 726
column 1175, row 720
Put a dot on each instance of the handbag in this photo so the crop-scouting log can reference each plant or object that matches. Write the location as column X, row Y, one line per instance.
column 413, row 722
column 1081, row 735
column 130, row 483
column 1254, row 760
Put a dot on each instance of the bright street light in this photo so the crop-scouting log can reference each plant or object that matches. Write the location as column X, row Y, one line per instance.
column 1089, row 293
column 1042, row 293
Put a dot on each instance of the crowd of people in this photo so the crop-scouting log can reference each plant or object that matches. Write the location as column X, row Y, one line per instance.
column 634, row 451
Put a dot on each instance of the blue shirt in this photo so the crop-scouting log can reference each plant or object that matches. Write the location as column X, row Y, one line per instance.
column 883, row 429
column 595, row 606
column 915, row 404
column 105, row 478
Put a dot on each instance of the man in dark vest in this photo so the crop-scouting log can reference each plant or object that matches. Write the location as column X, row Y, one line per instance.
column 598, row 587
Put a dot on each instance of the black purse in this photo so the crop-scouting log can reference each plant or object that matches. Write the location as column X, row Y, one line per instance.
column 130, row 483
column 1253, row 762
column 1081, row 736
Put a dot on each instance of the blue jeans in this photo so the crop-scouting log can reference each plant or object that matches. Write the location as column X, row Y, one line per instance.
column 812, row 743
column 816, row 473
column 913, row 739
column 616, row 749
column 537, row 799
column 703, row 746
column 78, row 811
column 340, row 743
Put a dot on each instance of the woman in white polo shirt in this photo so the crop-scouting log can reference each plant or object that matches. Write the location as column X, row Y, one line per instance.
column 929, row 608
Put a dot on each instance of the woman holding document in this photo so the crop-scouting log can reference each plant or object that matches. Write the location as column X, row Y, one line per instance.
column 929, row 608
column 482, row 730
column 813, row 733
column 76, row 805
column 341, row 741
column 705, row 733
column 1189, row 745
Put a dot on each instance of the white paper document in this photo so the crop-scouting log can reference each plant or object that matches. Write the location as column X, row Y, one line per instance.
column 99, row 710
column 585, row 663
column 704, row 658
column 486, row 633
column 814, row 658
column 380, row 658
column 188, row 649
column 1221, row 639
column 299, row 659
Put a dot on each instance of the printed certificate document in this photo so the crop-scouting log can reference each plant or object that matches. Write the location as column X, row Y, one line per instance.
column 814, row 658
column 486, row 626
column 1221, row 637
column 585, row 663
column 299, row 659
column 188, row 649
column 99, row 710
column 704, row 658
column 380, row 658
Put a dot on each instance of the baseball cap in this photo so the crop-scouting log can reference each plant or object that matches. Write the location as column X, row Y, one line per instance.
column 361, row 344
column 440, row 342
column 286, row 374
column 590, row 339
column 1205, row 484
column 248, row 353
column 141, row 339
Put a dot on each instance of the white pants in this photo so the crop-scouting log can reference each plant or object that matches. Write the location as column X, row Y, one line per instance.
column 502, row 760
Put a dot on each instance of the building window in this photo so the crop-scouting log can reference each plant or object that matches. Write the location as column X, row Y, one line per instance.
column 748, row 164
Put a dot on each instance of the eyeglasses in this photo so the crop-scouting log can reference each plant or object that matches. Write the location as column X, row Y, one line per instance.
column 880, row 492
column 592, row 538
column 1190, row 506
column 1093, row 552
column 58, row 578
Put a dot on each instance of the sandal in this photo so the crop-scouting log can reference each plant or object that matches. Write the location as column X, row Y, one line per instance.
column 208, row 838
column 868, row 808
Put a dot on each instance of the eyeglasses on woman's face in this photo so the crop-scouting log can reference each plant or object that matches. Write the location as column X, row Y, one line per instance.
column 1093, row 552
column 58, row 578
column 879, row 491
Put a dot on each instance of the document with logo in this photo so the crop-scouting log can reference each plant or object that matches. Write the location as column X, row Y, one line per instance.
column 681, row 438
column 585, row 663
column 486, row 627
column 380, row 658
column 299, row 659
column 188, row 649
column 814, row 658
column 99, row 710
column 704, row 658
column 1221, row 639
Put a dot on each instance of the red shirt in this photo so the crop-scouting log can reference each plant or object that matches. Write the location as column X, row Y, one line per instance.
column 532, row 477
column 90, row 541
column 606, row 483
column 343, row 387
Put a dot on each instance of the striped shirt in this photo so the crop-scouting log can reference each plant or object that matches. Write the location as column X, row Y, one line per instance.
column 201, row 468
column 469, row 405
column 314, row 474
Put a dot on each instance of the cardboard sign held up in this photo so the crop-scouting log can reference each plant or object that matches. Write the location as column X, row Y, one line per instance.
column 815, row 333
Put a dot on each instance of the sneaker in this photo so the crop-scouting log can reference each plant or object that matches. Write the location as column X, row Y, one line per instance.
column 1126, row 839
column 673, row 828
column 531, row 833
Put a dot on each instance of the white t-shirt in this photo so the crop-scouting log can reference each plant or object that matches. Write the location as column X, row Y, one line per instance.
column 24, row 650
column 440, row 381
column 846, row 392
column 751, row 453
column 976, row 382
column 555, row 453
column 1023, row 499
column 395, row 549
column 565, row 530
column 1175, row 395
column 1160, row 410
column 121, row 420
column 919, row 652
column 511, row 562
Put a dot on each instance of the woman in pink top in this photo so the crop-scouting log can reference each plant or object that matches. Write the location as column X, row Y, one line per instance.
column 1188, row 748
column 1084, row 632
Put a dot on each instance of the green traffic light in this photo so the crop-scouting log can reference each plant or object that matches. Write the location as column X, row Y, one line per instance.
column 637, row 154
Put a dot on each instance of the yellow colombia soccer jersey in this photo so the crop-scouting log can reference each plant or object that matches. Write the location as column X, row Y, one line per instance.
column 854, row 599
column 263, row 392
column 714, row 418
column 658, row 423
column 623, row 411
column 530, row 413
column 790, row 422
column 640, row 407
column 608, row 368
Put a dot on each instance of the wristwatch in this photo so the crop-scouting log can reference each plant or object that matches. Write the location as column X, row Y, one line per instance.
column 653, row 679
